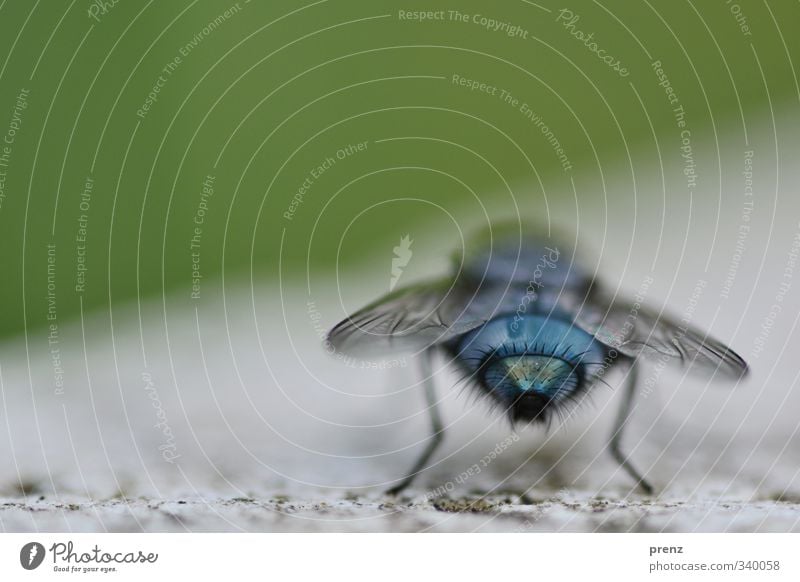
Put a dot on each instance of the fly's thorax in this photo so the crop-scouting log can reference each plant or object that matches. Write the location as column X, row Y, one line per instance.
column 537, row 264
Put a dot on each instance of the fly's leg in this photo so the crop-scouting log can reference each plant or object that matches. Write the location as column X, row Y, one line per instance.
column 437, row 429
column 623, row 416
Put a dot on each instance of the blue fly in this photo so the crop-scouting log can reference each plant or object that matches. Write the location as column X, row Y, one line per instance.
column 532, row 330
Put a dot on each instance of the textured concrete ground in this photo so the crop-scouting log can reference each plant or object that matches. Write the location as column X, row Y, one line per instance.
column 493, row 513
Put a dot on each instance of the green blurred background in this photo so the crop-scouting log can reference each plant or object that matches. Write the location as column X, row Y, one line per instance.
column 266, row 92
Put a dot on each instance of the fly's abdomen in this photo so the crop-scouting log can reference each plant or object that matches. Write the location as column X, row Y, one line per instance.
column 530, row 364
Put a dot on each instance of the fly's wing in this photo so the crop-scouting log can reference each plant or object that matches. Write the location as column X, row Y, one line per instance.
column 411, row 318
column 635, row 330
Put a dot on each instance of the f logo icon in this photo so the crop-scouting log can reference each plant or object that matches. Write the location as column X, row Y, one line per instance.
column 31, row 555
